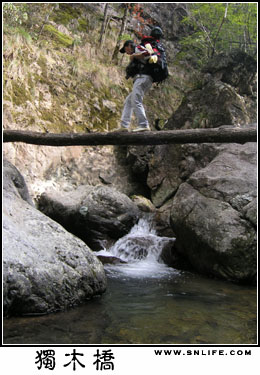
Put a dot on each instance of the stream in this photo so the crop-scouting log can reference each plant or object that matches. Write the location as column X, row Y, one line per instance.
column 147, row 302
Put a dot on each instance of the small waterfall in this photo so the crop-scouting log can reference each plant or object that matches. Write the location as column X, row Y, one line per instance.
column 139, row 251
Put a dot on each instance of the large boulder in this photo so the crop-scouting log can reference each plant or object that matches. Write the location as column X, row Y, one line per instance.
column 214, row 104
column 98, row 215
column 214, row 215
column 237, row 69
column 224, row 95
column 45, row 268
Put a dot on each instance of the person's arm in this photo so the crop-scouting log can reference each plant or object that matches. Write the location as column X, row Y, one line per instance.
column 140, row 53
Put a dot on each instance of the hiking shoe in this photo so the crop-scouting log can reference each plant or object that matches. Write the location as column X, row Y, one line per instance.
column 139, row 129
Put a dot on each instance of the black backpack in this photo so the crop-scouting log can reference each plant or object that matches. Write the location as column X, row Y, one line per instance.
column 132, row 68
column 158, row 71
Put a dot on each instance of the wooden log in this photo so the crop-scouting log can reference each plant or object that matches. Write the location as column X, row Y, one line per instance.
column 216, row 135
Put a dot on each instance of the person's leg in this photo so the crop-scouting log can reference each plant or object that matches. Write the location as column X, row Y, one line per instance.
column 141, row 86
column 127, row 112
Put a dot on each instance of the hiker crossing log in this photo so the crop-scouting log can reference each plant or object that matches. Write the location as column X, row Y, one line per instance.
column 224, row 134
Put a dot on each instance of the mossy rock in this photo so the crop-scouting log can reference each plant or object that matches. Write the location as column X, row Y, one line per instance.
column 143, row 203
column 60, row 39
column 65, row 14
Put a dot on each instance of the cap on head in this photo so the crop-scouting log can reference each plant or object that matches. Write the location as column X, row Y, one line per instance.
column 157, row 32
column 126, row 44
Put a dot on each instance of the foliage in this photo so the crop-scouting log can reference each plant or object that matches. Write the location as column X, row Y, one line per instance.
column 219, row 27
column 15, row 13
column 125, row 37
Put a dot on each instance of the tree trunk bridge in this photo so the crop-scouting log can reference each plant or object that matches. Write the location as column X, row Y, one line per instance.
column 223, row 134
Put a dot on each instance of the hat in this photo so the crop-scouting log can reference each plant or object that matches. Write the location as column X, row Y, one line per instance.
column 126, row 44
column 157, row 32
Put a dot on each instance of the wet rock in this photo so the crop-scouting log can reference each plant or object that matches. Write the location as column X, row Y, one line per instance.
column 45, row 268
column 94, row 214
column 162, row 221
column 106, row 259
column 138, row 247
column 171, row 257
column 213, row 215
column 143, row 203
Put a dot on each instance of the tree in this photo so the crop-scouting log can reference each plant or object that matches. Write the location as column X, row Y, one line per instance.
column 219, row 27
column 218, row 31
column 104, row 26
column 122, row 30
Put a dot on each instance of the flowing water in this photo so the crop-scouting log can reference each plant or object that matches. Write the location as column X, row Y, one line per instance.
column 147, row 302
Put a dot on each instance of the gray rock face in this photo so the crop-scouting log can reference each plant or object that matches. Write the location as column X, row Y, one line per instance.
column 218, row 99
column 14, row 183
column 45, row 268
column 94, row 214
column 215, row 104
column 230, row 177
column 237, row 69
column 173, row 164
column 214, row 215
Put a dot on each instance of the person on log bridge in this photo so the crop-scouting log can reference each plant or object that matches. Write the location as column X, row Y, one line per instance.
column 146, row 60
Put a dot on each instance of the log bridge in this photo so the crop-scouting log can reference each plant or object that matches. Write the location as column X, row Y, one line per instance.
column 223, row 134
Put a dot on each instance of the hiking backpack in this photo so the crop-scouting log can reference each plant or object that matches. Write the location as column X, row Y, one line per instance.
column 159, row 70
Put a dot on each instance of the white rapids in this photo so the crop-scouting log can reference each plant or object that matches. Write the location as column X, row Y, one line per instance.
column 140, row 249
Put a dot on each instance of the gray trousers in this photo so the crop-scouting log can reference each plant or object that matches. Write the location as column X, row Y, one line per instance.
column 134, row 101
